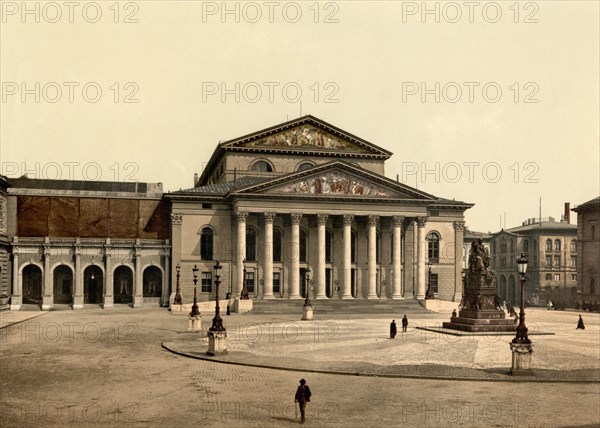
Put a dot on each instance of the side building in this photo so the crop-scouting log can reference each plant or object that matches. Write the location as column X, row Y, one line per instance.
column 588, row 250
column 551, row 249
column 307, row 196
column 87, row 242
column 4, row 247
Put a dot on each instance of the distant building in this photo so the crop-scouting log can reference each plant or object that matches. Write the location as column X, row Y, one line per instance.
column 551, row 250
column 588, row 250
column 87, row 242
column 4, row 247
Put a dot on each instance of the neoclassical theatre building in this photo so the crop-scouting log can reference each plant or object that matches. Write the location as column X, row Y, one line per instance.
column 307, row 195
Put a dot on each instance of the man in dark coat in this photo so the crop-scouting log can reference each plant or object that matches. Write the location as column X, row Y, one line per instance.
column 580, row 324
column 393, row 329
column 302, row 397
column 404, row 324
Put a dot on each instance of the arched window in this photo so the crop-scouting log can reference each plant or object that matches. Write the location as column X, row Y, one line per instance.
column 592, row 286
column 433, row 247
column 549, row 245
column 276, row 245
column 557, row 245
column 353, row 247
column 328, row 246
column 304, row 166
column 503, row 246
column 303, row 245
column 206, row 243
column 262, row 166
column 526, row 246
column 250, row 244
column 574, row 246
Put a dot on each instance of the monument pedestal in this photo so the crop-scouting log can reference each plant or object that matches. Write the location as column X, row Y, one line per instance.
column 307, row 313
column 195, row 323
column 217, row 343
column 522, row 359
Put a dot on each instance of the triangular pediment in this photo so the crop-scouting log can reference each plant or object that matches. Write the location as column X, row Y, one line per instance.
column 336, row 179
column 306, row 134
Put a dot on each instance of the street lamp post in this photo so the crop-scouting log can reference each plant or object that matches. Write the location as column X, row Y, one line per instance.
column 195, row 312
column 217, row 323
column 521, row 346
column 521, row 329
column 177, row 300
column 429, row 294
column 307, row 309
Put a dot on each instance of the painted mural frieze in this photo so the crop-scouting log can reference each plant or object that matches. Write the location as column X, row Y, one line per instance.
column 333, row 184
column 306, row 136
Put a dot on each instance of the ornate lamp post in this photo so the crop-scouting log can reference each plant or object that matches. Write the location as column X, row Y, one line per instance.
column 217, row 334
column 244, row 294
column 178, row 300
column 521, row 346
column 429, row 294
column 521, row 329
column 217, row 322
column 195, row 312
column 307, row 309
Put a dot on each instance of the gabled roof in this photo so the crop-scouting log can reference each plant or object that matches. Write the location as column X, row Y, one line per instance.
column 306, row 134
column 593, row 204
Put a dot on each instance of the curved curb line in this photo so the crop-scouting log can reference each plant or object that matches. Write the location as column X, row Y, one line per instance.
column 400, row 376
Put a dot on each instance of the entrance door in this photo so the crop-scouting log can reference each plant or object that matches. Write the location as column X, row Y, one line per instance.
column 303, row 282
column 63, row 285
column 328, row 290
column 123, row 285
column 353, row 283
column 92, row 285
column 32, row 285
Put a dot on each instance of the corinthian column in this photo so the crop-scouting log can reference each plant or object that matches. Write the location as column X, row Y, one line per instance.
column 321, row 222
column 268, row 257
column 397, row 258
column 347, row 292
column 241, row 217
column 295, row 262
column 372, row 256
column 421, row 248
column 459, row 227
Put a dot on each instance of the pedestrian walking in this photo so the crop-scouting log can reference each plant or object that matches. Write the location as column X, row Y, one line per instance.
column 404, row 323
column 580, row 325
column 302, row 397
column 393, row 329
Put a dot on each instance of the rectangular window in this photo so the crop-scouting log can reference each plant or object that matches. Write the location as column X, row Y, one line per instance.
column 250, row 282
column 548, row 261
column 556, row 261
column 548, row 277
column 434, row 282
column 574, row 276
column 534, row 260
column 206, row 282
column 276, row 282
column 574, row 261
column 557, row 276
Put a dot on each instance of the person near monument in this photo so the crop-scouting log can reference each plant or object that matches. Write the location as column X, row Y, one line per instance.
column 404, row 324
column 393, row 329
column 302, row 397
column 454, row 313
column 580, row 325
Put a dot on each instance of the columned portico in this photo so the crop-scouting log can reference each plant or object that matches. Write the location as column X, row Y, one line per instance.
column 347, row 221
column 421, row 248
column 321, row 262
column 372, row 256
column 397, row 258
column 294, row 285
column 241, row 217
column 268, row 257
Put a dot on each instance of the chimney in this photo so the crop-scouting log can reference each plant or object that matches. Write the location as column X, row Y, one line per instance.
column 568, row 212
column 195, row 178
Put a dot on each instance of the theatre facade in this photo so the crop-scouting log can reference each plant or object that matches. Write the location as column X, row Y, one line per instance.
column 306, row 204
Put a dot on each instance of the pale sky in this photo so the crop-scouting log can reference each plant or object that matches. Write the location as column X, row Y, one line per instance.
column 364, row 70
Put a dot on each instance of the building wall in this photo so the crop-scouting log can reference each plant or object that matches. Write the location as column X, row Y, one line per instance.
column 589, row 253
column 4, row 247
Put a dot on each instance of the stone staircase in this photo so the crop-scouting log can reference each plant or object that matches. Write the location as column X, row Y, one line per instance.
column 284, row 306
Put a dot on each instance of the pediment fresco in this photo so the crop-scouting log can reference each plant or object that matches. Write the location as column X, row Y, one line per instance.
column 333, row 183
column 307, row 136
